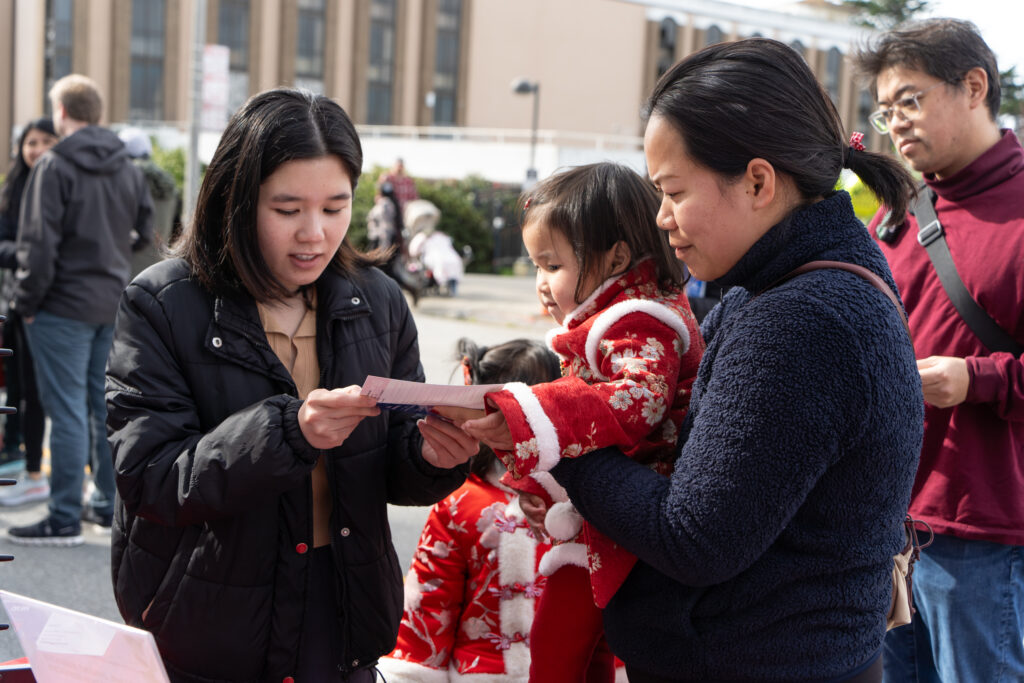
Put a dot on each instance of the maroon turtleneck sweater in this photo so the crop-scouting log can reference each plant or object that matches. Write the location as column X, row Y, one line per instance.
column 970, row 482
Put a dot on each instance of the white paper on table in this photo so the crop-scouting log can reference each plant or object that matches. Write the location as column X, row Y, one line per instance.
column 65, row 646
column 397, row 392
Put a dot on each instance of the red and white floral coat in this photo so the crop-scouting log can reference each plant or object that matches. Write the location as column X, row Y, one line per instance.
column 470, row 593
column 629, row 355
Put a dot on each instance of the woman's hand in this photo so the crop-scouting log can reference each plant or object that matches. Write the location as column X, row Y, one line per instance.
column 444, row 444
column 326, row 418
column 492, row 430
column 536, row 510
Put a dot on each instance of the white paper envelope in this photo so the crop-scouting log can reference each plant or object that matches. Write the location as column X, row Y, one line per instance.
column 63, row 645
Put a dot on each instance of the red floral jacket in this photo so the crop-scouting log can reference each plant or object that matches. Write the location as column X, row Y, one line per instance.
column 629, row 354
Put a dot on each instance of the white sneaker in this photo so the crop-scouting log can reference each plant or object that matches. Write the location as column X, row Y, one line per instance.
column 25, row 490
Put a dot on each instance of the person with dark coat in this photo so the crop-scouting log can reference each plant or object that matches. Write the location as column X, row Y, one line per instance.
column 85, row 209
column 26, row 427
column 767, row 555
column 251, row 533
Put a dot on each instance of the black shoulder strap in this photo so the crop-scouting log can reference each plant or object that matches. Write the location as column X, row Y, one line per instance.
column 930, row 236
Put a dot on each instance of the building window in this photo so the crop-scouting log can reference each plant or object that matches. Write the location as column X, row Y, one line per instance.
column 667, row 31
column 58, row 42
column 713, row 35
column 233, row 31
column 309, row 50
column 146, row 100
column 799, row 47
column 446, row 61
column 833, row 66
column 380, row 76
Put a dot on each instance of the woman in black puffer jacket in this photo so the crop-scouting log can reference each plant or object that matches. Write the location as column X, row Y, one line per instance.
column 251, row 534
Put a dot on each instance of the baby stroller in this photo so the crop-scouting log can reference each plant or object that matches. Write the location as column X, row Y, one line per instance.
column 432, row 253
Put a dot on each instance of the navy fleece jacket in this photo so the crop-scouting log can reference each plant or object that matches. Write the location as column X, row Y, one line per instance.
column 767, row 554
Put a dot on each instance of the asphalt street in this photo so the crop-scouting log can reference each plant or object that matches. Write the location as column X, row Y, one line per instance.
column 487, row 309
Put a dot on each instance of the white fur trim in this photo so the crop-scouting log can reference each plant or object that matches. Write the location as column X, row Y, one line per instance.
column 561, row 555
column 540, row 423
column 517, row 552
column 563, row 522
column 601, row 289
column 402, row 671
column 549, row 339
column 613, row 314
column 549, row 484
column 620, row 675
column 521, row 652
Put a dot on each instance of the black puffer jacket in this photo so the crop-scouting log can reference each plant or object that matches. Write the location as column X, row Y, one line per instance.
column 214, row 511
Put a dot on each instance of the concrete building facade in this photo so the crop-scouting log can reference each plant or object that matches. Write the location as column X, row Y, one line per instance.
column 408, row 69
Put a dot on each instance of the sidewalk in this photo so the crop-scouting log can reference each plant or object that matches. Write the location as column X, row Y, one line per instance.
column 493, row 299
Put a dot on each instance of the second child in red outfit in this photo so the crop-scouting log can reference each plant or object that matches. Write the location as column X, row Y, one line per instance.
column 629, row 348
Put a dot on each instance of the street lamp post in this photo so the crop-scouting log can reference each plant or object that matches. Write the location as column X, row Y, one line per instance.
column 523, row 86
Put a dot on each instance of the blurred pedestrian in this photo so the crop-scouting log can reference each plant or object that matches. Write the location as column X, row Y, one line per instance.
column 22, row 453
column 404, row 187
column 163, row 192
column 432, row 248
column 86, row 207
column 385, row 229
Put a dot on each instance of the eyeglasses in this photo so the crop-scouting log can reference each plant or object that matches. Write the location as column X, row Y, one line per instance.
column 907, row 108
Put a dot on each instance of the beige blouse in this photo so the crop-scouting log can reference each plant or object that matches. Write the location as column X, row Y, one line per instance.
column 298, row 355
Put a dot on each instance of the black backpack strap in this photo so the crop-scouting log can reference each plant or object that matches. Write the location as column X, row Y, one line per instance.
column 930, row 236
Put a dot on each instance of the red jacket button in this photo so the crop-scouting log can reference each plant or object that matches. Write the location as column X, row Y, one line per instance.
column 287, row 679
column 301, row 549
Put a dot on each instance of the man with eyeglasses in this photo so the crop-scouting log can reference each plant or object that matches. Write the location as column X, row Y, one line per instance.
column 937, row 87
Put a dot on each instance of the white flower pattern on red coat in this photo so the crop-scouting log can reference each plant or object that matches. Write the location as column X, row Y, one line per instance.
column 653, row 411
column 620, row 400
column 527, row 449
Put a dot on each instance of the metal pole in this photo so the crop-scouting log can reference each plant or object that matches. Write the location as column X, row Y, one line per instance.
column 195, row 115
column 533, row 132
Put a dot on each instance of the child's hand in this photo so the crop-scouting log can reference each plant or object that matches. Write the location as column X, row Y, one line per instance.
column 492, row 430
column 444, row 444
column 458, row 415
column 326, row 418
column 535, row 509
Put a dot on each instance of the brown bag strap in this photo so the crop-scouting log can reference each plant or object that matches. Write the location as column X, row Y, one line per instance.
column 876, row 281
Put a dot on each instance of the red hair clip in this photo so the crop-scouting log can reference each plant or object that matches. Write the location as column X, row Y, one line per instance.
column 467, row 372
column 857, row 141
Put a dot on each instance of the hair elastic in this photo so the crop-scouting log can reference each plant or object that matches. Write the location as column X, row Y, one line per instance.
column 467, row 371
column 857, row 141
column 526, row 204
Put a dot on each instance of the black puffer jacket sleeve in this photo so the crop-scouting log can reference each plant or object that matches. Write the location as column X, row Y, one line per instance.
column 168, row 469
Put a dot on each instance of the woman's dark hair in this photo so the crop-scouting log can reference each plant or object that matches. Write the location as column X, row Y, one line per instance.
column 17, row 174
column 519, row 360
column 944, row 48
column 272, row 128
column 596, row 205
column 757, row 98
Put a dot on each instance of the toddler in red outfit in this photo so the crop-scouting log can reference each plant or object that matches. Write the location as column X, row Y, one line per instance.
column 629, row 348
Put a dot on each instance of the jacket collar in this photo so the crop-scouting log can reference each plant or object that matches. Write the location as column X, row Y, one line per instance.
column 821, row 230
column 236, row 334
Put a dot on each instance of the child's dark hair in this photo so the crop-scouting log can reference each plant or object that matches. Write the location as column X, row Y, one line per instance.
column 519, row 360
column 596, row 205
column 944, row 48
column 757, row 98
column 271, row 129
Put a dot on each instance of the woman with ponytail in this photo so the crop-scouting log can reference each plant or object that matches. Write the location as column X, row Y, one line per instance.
column 767, row 553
